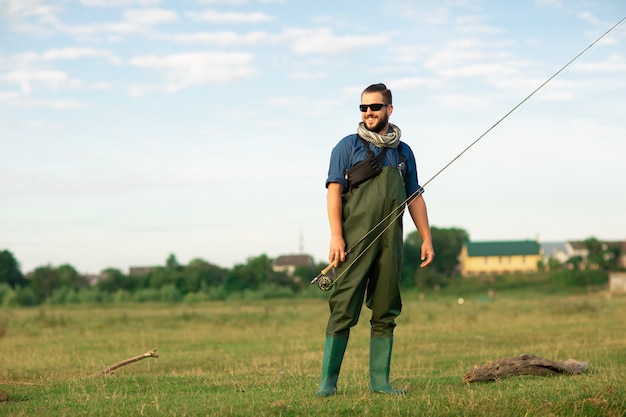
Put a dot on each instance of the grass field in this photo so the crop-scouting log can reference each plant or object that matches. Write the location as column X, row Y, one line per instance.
column 263, row 358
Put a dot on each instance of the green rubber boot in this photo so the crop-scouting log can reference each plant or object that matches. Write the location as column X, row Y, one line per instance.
column 334, row 348
column 380, row 362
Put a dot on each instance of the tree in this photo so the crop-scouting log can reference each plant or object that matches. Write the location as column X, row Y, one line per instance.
column 201, row 274
column 303, row 275
column 554, row 264
column 10, row 270
column 171, row 274
column 165, row 276
column 69, row 277
column 172, row 263
column 600, row 254
column 114, row 281
column 249, row 276
column 44, row 280
column 447, row 244
column 574, row 262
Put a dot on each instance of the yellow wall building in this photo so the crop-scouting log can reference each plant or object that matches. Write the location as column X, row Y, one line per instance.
column 481, row 258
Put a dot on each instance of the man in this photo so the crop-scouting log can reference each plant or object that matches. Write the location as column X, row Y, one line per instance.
column 371, row 271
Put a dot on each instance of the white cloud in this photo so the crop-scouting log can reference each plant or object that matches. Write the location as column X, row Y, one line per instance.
column 230, row 17
column 412, row 82
column 32, row 17
column 471, row 58
column 407, row 53
column 454, row 53
column 614, row 63
column 606, row 137
column 589, row 17
column 475, row 26
column 140, row 21
column 119, row 3
column 64, row 104
column 16, row 100
column 19, row 9
column 38, row 17
column 307, row 75
column 8, row 97
column 286, row 102
column 186, row 69
column 227, row 2
column 239, row 2
column 220, row 38
column 70, row 54
column 462, row 101
column 101, row 86
column 479, row 70
column 559, row 90
column 548, row 3
column 426, row 13
column 30, row 78
column 26, row 78
column 324, row 41
column 149, row 17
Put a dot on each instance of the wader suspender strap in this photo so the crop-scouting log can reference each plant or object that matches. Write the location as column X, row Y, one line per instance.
column 370, row 152
column 401, row 157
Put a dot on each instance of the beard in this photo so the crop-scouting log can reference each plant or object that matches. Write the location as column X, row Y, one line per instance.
column 383, row 120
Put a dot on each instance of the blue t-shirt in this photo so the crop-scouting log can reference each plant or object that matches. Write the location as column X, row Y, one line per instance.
column 350, row 151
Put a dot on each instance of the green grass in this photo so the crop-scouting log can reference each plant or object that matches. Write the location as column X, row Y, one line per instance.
column 263, row 358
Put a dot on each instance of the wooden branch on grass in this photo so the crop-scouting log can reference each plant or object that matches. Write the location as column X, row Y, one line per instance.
column 110, row 369
column 523, row 365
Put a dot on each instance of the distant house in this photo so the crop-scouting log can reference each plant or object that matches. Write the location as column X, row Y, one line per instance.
column 499, row 257
column 93, row 279
column 141, row 270
column 579, row 249
column 289, row 263
column 561, row 251
column 564, row 251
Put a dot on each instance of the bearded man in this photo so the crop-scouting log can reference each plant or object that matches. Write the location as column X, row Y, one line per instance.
column 359, row 196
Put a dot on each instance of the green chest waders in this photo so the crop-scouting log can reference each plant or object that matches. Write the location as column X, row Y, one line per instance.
column 375, row 277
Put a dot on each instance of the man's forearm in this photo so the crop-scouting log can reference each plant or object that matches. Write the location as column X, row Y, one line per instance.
column 419, row 214
column 334, row 209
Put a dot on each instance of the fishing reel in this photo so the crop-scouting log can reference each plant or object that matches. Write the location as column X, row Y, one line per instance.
column 324, row 282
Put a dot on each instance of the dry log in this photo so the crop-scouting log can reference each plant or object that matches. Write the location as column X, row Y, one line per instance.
column 523, row 365
column 110, row 369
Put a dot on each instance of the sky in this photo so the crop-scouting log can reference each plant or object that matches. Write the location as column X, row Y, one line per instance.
column 135, row 129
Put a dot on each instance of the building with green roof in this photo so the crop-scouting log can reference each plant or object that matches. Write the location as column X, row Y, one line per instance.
column 499, row 257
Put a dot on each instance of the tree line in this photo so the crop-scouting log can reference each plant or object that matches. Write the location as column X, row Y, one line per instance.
column 200, row 280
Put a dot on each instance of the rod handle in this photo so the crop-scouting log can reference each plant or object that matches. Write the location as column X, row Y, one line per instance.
column 322, row 273
column 326, row 270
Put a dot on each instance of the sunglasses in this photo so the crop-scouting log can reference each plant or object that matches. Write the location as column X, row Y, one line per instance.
column 374, row 107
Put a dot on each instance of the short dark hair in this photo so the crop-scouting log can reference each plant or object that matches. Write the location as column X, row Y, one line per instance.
column 382, row 89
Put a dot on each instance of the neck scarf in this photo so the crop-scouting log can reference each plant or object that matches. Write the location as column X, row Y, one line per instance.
column 389, row 140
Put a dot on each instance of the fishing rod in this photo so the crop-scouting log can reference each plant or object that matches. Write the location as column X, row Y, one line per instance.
column 325, row 282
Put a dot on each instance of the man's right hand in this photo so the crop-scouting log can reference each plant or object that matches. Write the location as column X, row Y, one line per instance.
column 337, row 252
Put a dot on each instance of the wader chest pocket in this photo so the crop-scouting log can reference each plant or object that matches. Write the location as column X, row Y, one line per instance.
column 368, row 168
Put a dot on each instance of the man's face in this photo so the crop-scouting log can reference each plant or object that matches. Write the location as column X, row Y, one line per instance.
column 376, row 121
